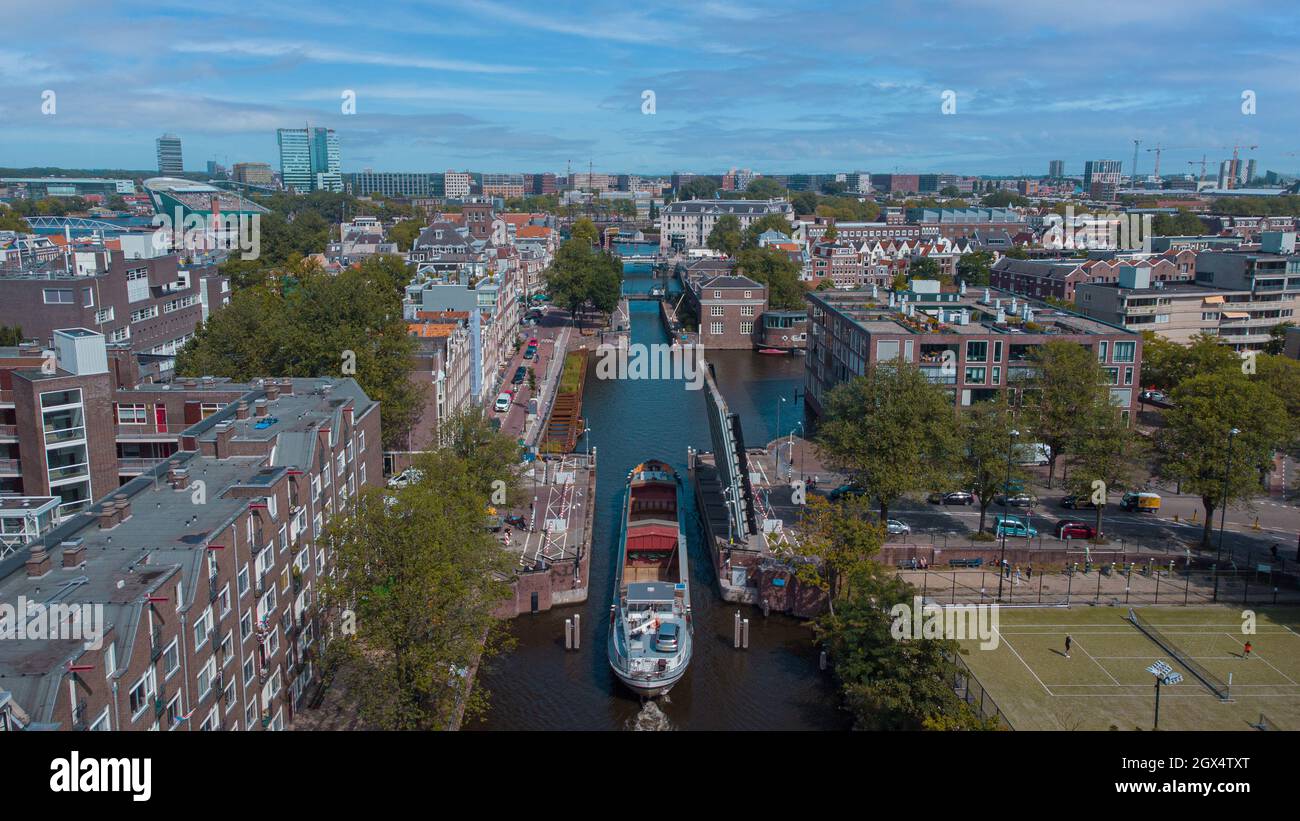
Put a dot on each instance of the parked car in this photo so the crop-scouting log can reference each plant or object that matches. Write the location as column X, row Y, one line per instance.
column 530, row 352
column 521, row 373
column 845, row 490
column 503, row 402
column 407, row 477
column 1153, row 397
column 1012, row 526
column 1015, row 500
column 515, row 520
column 1072, row 529
column 1140, row 502
column 953, row 497
column 894, row 527
column 1078, row 503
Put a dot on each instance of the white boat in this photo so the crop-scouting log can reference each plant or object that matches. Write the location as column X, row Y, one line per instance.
column 650, row 628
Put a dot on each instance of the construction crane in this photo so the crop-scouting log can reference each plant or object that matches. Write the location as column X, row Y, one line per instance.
column 1200, row 182
column 1136, row 143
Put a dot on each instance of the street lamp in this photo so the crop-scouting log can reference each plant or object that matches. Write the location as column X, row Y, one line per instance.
column 1164, row 675
column 586, row 443
column 778, row 416
column 1227, row 473
column 1002, row 526
column 800, row 424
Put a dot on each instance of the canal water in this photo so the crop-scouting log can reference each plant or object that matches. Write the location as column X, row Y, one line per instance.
column 775, row 684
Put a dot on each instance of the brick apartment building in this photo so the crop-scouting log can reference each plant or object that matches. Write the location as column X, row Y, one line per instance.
column 207, row 566
column 155, row 303
column 729, row 306
column 975, row 346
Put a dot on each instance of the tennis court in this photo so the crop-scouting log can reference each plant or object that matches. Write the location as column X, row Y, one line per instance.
column 1104, row 683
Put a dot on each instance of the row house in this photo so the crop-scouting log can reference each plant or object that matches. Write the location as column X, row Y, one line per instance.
column 443, row 362
column 190, row 595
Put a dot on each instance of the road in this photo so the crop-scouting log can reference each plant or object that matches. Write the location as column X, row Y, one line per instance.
column 552, row 325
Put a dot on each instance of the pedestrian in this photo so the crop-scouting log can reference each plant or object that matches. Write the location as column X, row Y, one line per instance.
column 1068, row 641
column 1247, row 648
column 1017, row 579
column 1029, row 572
column 1273, row 550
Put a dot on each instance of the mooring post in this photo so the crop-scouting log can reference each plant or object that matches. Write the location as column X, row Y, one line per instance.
column 577, row 631
column 735, row 631
column 821, row 661
column 568, row 634
column 744, row 634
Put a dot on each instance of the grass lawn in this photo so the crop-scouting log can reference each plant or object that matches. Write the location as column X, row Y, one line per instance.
column 1105, row 683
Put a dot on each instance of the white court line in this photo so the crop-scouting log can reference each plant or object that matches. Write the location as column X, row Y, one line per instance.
column 1010, row 646
column 1075, row 641
column 1266, row 661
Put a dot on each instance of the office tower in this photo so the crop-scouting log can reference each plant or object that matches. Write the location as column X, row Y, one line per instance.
column 309, row 159
column 169, row 155
column 1056, row 169
column 1101, row 178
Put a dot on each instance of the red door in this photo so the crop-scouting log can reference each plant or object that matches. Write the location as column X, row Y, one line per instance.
column 160, row 417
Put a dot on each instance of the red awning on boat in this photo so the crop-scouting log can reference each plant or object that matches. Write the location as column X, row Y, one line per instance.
column 651, row 537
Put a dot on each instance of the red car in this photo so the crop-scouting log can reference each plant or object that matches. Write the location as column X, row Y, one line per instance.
column 1070, row 529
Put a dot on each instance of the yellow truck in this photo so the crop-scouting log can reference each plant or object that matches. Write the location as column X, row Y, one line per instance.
column 1140, row 502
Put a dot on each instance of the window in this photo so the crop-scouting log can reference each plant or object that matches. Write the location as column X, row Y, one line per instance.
column 717, row 295
column 206, row 676
column 227, row 647
column 749, row 295
column 202, row 627
column 246, row 625
column 250, row 670
column 144, row 313
column 716, row 328
column 746, row 328
column 242, row 580
column 132, row 415
column 1101, row 351
column 87, row 298
column 58, row 296
column 137, row 284
column 1125, row 351
column 143, row 690
column 171, row 659
column 121, row 334
column 104, row 315
column 746, row 310
column 975, row 375
column 977, row 351
column 717, row 310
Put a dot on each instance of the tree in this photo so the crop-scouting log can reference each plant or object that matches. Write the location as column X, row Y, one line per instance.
column 582, row 275
column 11, row 220
column 775, row 269
column 949, row 191
column 418, row 576
column 1281, row 375
column 1107, row 449
column 725, row 236
column 585, row 230
column 887, row 683
column 764, row 188
column 11, row 336
column 832, row 233
column 1277, row 337
column 924, row 268
column 1017, row 252
column 1066, row 384
column 986, row 433
column 1184, row 223
column 891, row 431
column 973, row 268
column 768, row 222
column 309, row 330
column 405, row 233
column 837, row 545
column 699, row 188
column 1165, row 364
column 1003, row 198
column 1193, row 445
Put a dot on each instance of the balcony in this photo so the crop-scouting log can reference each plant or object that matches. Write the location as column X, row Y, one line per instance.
column 10, row 467
column 137, row 466
column 8, row 431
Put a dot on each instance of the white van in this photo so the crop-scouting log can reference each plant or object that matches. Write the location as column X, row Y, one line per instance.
column 503, row 403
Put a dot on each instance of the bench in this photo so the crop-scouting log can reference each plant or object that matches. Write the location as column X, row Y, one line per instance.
column 965, row 562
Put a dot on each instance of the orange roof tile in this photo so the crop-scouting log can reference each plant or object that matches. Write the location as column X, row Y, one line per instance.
column 429, row 330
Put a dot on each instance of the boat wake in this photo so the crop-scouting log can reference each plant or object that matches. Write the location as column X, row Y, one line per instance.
column 651, row 718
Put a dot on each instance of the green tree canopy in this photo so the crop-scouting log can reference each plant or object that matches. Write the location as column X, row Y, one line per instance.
column 583, row 276
column 778, row 272
column 764, row 188
column 987, row 464
column 305, row 330
column 417, row 576
column 1193, row 445
column 973, row 268
column 891, row 431
column 1066, row 387
column 725, row 236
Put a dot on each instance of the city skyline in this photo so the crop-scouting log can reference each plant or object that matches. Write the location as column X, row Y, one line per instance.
column 499, row 87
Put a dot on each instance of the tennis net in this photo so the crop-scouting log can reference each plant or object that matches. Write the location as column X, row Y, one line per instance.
column 1216, row 684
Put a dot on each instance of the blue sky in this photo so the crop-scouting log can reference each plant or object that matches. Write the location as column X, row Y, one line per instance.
column 778, row 87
